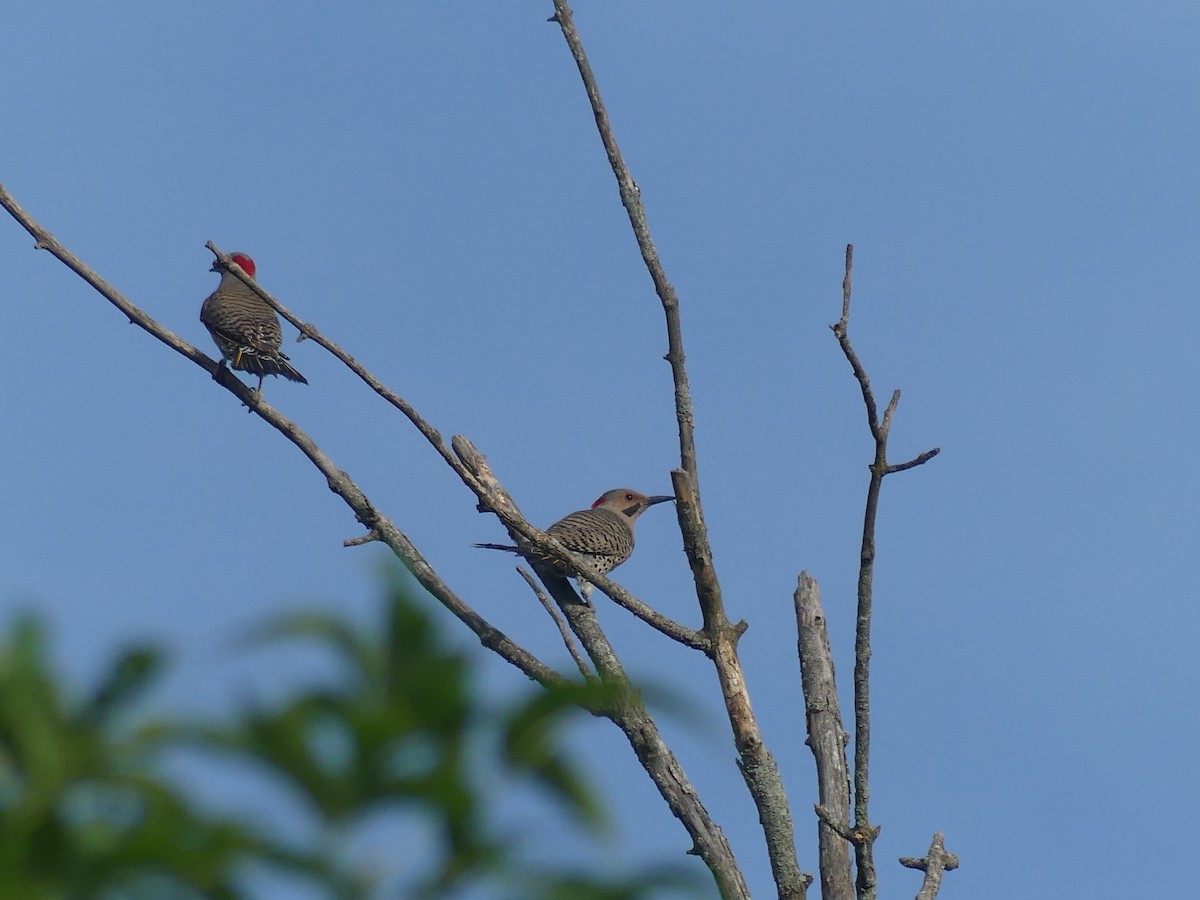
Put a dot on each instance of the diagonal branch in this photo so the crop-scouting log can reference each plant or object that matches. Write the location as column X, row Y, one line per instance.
column 864, row 833
column 840, row 329
column 500, row 503
column 919, row 460
column 755, row 761
column 44, row 240
column 655, row 756
column 309, row 331
column 490, row 495
column 339, row 482
column 631, row 199
column 379, row 528
column 560, row 623
column 630, row 715
column 640, row 729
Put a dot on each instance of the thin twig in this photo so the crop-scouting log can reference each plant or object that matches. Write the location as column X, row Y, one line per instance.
column 841, row 328
column 918, row 460
column 933, row 864
column 866, row 884
column 866, row 881
column 631, row 199
column 833, row 823
column 561, row 623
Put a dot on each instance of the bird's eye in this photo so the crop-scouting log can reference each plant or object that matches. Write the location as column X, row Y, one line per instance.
column 629, row 496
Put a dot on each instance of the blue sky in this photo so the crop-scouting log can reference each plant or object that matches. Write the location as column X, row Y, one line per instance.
column 424, row 183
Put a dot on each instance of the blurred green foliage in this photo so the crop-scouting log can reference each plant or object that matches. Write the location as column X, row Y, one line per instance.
column 85, row 811
column 81, row 812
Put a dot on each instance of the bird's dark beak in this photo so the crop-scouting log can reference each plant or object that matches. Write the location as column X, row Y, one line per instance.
column 650, row 501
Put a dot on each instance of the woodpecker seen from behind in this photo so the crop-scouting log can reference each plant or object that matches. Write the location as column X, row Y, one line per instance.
column 245, row 327
column 601, row 536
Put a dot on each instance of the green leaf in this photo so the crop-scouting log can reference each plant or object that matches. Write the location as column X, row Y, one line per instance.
column 131, row 675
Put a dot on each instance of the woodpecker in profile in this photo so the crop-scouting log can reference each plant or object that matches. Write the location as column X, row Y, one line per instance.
column 245, row 327
column 602, row 536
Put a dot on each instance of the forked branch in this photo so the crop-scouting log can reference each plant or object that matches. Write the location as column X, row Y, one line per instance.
column 863, row 833
column 936, row 862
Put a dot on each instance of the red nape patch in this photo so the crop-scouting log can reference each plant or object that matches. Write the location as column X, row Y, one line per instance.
column 598, row 502
column 245, row 262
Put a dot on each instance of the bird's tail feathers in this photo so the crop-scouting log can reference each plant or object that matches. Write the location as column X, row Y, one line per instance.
column 507, row 547
column 287, row 371
column 255, row 363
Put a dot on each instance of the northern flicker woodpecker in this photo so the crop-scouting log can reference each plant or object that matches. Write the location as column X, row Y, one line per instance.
column 245, row 327
column 602, row 536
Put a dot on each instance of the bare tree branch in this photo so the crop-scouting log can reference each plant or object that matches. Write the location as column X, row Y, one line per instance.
column 864, row 834
column 656, row 757
column 933, row 864
column 833, row 823
column 512, row 518
column 309, row 331
column 632, row 201
column 560, row 623
column 840, row 329
column 718, row 638
column 699, row 554
column 826, row 738
column 44, row 240
column 630, row 716
column 919, row 460
column 501, row 503
column 866, row 880
column 639, row 728
column 757, row 765
column 755, row 762
column 339, row 482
